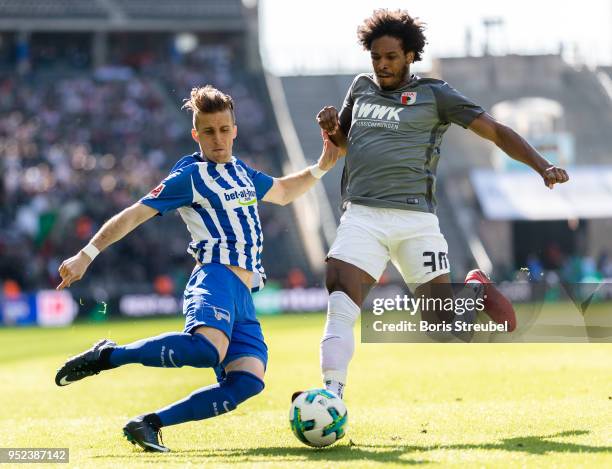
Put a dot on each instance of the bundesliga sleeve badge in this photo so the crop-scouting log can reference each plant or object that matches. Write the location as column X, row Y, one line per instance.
column 409, row 97
column 155, row 192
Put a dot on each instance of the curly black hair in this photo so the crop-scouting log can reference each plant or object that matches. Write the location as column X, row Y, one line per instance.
column 394, row 23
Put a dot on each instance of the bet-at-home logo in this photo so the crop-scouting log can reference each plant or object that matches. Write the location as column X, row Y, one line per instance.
column 244, row 196
column 377, row 111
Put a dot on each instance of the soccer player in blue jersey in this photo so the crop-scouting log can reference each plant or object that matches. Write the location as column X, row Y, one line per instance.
column 216, row 195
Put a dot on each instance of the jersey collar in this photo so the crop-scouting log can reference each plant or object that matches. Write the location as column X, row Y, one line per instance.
column 411, row 82
column 202, row 158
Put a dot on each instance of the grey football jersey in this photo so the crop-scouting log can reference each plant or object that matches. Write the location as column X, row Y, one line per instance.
column 394, row 140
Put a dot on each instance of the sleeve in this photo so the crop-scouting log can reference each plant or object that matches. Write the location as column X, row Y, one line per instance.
column 454, row 107
column 345, row 116
column 173, row 192
column 261, row 181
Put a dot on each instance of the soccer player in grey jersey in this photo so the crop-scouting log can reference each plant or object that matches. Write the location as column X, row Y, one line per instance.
column 391, row 126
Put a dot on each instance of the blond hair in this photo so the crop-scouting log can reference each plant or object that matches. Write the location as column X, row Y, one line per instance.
column 208, row 99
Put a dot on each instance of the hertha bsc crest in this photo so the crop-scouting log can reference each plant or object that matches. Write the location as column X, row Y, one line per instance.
column 409, row 97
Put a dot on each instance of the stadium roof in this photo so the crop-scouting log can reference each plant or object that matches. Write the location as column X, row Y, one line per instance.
column 521, row 195
column 121, row 15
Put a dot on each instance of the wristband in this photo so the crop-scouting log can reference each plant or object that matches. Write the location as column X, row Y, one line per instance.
column 316, row 171
column 91, row 251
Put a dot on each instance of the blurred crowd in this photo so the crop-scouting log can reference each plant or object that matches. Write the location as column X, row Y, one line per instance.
column 554, row 264
column 573, row 269
column 77, row 147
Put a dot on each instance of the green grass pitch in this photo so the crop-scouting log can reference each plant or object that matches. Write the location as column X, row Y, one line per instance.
column 491, row 405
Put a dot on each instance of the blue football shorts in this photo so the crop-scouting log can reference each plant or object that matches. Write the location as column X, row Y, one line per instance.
column 216, row 297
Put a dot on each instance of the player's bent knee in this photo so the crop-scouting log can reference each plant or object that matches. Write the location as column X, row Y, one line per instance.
column 215, row 339
column 342, row 309
column 251, row 364
column 209, row 355
column 242, row 385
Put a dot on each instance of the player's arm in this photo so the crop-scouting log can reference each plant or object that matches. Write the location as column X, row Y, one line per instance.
column 517, row 148
column 288, row 188
column 113, row 230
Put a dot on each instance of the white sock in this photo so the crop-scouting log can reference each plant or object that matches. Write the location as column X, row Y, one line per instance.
column 338, row 342
column 335, row 386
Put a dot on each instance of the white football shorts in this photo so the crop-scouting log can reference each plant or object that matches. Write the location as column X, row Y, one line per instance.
column 368, row 237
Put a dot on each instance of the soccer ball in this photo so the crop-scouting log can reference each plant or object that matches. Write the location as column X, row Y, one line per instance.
column 318, row 418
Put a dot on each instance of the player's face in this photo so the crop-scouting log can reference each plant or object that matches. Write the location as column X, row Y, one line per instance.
column 215, row 133
column 390, row 62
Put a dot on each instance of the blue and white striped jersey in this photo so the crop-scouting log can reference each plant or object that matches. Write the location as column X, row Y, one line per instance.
column 218, row 203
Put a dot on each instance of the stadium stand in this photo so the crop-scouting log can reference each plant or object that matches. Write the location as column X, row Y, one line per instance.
column 178, row 8
column 586, row 109
column 133, row 9
column 490, row 80
column 123, row 15
column 52, row 9
column 79, row 143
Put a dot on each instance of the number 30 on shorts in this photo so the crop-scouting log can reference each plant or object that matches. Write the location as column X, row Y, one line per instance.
column 435, row 260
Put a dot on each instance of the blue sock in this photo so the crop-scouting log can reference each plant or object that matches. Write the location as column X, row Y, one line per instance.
column 213, row 400
column 171, row 350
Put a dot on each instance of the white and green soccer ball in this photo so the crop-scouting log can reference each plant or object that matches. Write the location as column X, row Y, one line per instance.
column 318, row 418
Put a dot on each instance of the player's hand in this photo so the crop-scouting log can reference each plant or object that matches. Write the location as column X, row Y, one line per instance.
column 327, row 119
column 330, row 154
column 73, row 269
column 554, row 175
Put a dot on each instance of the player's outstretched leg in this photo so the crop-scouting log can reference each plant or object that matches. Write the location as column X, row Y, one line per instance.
column 496, row 305
column 171, row 350
column 477, row 285
column 211, row 401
